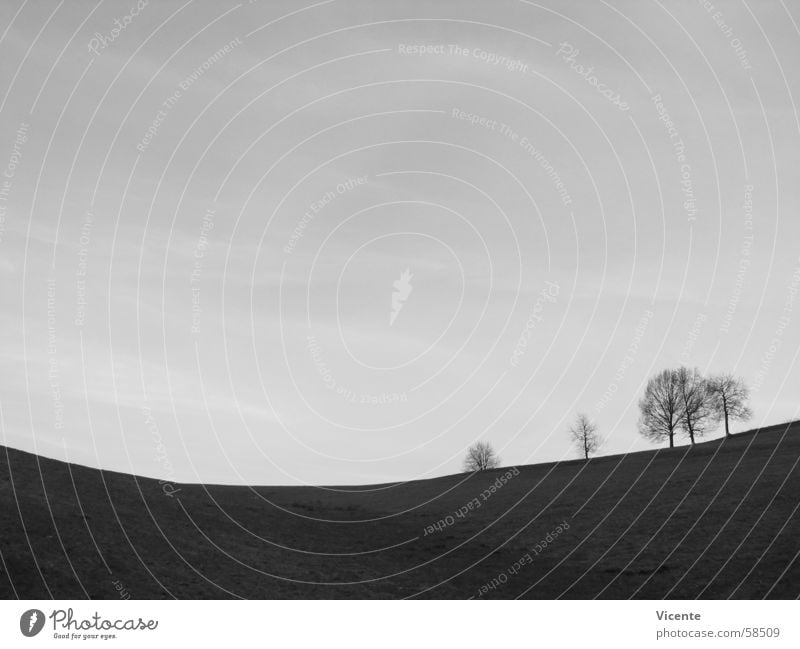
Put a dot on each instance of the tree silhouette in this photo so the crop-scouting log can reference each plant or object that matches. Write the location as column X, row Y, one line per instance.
column 697, row 414
column 480, row 456
column 584, row 434
column 729, row 397
column 661, row 408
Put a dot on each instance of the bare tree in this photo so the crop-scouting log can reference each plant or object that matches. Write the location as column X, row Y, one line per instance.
column 481, row 456
column 661, row 408
column 697, row 415
column 729, row 397
column 584, row 434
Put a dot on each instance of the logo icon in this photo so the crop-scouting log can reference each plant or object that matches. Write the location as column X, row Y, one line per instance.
column 402, row 290
column 31, row 622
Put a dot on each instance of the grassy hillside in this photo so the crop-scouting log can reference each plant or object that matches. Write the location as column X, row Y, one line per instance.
column 717, row 520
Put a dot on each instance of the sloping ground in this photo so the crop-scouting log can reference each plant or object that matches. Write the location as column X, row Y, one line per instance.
column 714, row 521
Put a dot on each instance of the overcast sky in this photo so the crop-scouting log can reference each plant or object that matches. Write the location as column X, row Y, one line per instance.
column 207, row 216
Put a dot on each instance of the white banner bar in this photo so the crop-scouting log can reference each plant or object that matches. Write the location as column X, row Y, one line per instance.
column 406, row 624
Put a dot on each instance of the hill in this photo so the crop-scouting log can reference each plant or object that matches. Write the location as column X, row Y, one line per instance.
column 716, row 520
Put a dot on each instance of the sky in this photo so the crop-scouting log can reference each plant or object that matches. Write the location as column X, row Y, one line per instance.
column 338, row 242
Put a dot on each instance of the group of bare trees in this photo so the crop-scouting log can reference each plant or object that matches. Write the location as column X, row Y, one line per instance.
column 683, row 401
column 676, row 401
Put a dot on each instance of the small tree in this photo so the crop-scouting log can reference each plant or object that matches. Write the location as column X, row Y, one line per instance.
column 697, row 414
column 584, row 434
column 480, row 456
column 729, row 397
column 661, row 408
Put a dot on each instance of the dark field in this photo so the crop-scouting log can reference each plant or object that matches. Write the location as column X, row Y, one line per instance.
column 715, row 521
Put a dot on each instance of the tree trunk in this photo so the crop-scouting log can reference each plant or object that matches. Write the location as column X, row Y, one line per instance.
column 725, row 409
column 688, row 417
column 672, row 439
